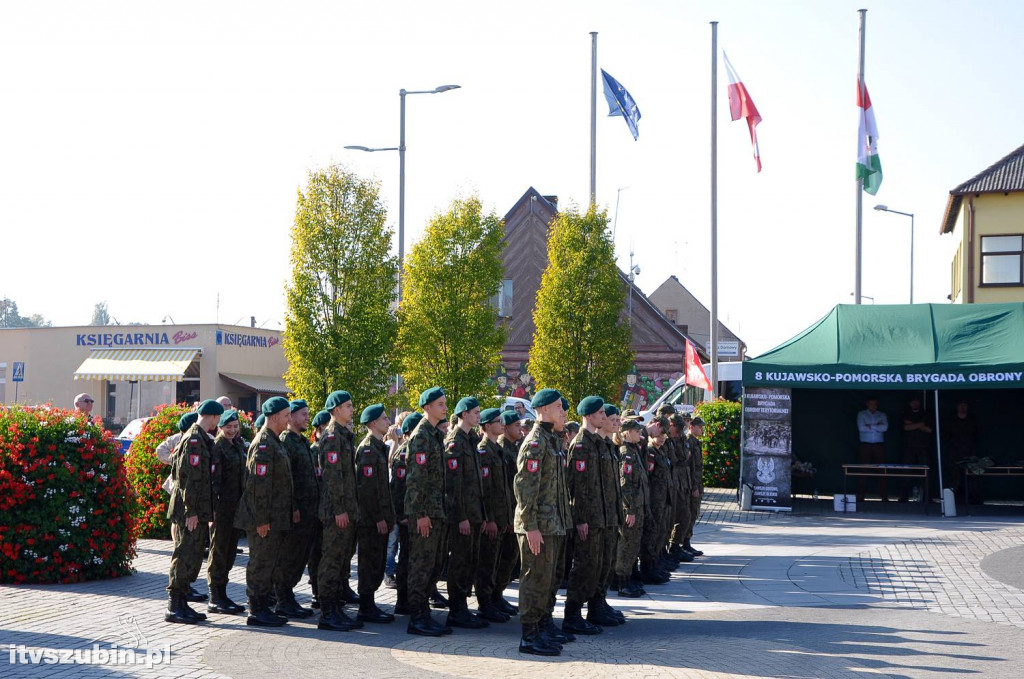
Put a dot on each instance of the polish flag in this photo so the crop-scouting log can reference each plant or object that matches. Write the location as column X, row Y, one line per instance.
column 742, row 106
column 695, row 375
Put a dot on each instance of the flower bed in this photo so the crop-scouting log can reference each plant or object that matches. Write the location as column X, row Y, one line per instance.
column 721, row 443
column 63, row 499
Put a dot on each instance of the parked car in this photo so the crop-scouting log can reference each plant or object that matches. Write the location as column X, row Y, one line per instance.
column 521, row 406
column 128, row 434
column 685, row 398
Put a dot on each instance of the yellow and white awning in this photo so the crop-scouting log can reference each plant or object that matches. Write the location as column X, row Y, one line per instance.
column 137, row 365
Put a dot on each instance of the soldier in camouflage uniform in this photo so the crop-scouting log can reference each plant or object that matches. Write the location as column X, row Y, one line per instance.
column 500, row 507
column 508, row 558
column 339, row 512
column 319, row 423
column 190, row 510
column 227, row 470
column 399, row 470
column 425, row 504
column 659, row 473
column 266, row 511
column 684, row 487
column 542, row 516
column 586, row 499
column 697, row 474
column 598, row 609
column 633, row 483
column 376, row 514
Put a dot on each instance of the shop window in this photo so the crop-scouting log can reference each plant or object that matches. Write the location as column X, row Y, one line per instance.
column 1002, row 260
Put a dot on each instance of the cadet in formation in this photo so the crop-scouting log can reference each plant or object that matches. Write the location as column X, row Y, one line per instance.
column 635, row 502
column 319, row 424
column 399, row 470
column 499, row 508
column 227, row 470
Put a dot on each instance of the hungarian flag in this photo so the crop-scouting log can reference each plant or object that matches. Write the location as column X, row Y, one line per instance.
column 869, row 167
column 695, row 375
column 742, row 106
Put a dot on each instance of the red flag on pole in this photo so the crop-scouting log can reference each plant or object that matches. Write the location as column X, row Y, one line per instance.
column 695, row 375
column 742, row 106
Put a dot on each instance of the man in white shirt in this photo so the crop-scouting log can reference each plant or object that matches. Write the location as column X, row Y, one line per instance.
column 871, row 426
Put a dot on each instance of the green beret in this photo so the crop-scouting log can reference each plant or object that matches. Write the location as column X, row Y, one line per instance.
column 565, row 404
column 410, row 422
column 336, row 399
column 490, row 415
column 590, row 405
column 465, row 404
column 321, row 418
column 545, row 397
column 210, row 407
column 371, row 413
column 259, row 422
column 228, row 416
column 610, row 410
column 272, row 406
column 509, row 417
column 430, row 395
column 297, row 404
column 186, row 421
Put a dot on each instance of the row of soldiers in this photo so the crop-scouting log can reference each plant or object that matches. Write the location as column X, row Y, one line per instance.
column 480, row 497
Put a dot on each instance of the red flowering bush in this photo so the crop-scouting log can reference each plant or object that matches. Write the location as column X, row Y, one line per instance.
column 146, row 473
column 721, row 442
column 63, row 499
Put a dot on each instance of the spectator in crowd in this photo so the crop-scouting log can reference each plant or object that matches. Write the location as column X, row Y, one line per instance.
column 225, row 401
column 83, row 404
column 871, row 427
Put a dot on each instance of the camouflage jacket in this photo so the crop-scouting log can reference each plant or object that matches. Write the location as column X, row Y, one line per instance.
column 542, row 502
column 372, row 483
column 659, row 472
column 267, row 498
column 584, row 479
column 696, row 463
column 464, row 495
column 305, row 482
column 499, row 500
column 509, row 455
column 190, row 467
column 399, row 468
column 227, row 468
column 424, row 481
column 633, row 480
column 610, row 487
column 338, row 476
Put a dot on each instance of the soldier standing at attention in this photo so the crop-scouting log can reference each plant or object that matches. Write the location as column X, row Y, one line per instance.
column 633, row 481
column 466, row 512
column 509, row 556
column 684, row 486
column 598, row 608
column 266, row 511
column 399, row 470
column 319, row 423
column 659, row 473
column 425, row 503
column 190, row 510
column 376, row 514
column 540, row 521
column 227, row 469
column 305, row 499
column 697, row 475
column 587, row 505
column 500, row 507
column 338, row 512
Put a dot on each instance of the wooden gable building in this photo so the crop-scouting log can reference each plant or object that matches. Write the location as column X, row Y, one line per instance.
column 658, row 344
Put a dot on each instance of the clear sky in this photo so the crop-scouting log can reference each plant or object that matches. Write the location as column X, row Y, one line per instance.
column 150, row 153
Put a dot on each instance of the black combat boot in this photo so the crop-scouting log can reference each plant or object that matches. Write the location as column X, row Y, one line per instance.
column 554, row 636
column 573, row 620
column 636, row 580
column 175, row 613
column 402, row 602
column 333, row 618
column 347, row 595
column 423, row 624
column 220, row 603
column 677, row 551
column 602, row 601
column 534, row 643
column 459, row 615
column 691, row 549
column 290, row 608
column 630, row 589
column 189, row 611
column 369, row 612
column 598, row 615
column 195, row 596
column 260, row 615
column 504, row 606
column 489, row 612
column 437, row 599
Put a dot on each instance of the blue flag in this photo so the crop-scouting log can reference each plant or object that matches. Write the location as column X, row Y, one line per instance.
column 620, row 102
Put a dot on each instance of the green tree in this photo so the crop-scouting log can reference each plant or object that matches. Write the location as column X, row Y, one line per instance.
column 450, row 335
column 10, row 318
column 100, row 314
column 581, row 344
column 340, row 325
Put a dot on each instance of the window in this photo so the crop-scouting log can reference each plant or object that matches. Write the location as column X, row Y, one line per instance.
column 1002, row 260
column 503, row 300
column 671, row 315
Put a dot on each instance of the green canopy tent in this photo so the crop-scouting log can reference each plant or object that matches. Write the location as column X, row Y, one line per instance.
column 901, row 347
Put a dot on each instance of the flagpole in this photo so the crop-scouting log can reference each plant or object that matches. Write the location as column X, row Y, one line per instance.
column 860, row 180
column 713, row 349
column 593, row 118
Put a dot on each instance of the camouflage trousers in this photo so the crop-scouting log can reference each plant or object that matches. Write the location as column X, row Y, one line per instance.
column 264, row 554
column 315, row 550
column 463, row 561
column 611, row 550
column 587, row 566
column 373, row 556
column 559, row 542
column 295, row 554
column 337, row 547
column 627, row 548
column 694, row 513
column 656, row 533
column 402, row 561
column 682, row 517
column 426, row 555
column 537, row 577
column 187, row 558
column 223, row 548
column 487, row 568
column 508, row 558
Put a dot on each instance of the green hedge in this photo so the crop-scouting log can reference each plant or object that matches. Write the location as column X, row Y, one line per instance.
column 721, row 442
column 64, row 499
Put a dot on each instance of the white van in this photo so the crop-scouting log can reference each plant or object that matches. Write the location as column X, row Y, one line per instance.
column 685, row 398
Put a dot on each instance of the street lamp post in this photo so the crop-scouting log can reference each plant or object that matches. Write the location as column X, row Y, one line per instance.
column 885, row 208
column 401, row 169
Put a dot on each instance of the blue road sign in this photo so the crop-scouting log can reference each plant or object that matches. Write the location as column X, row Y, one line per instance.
column 19, row 372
